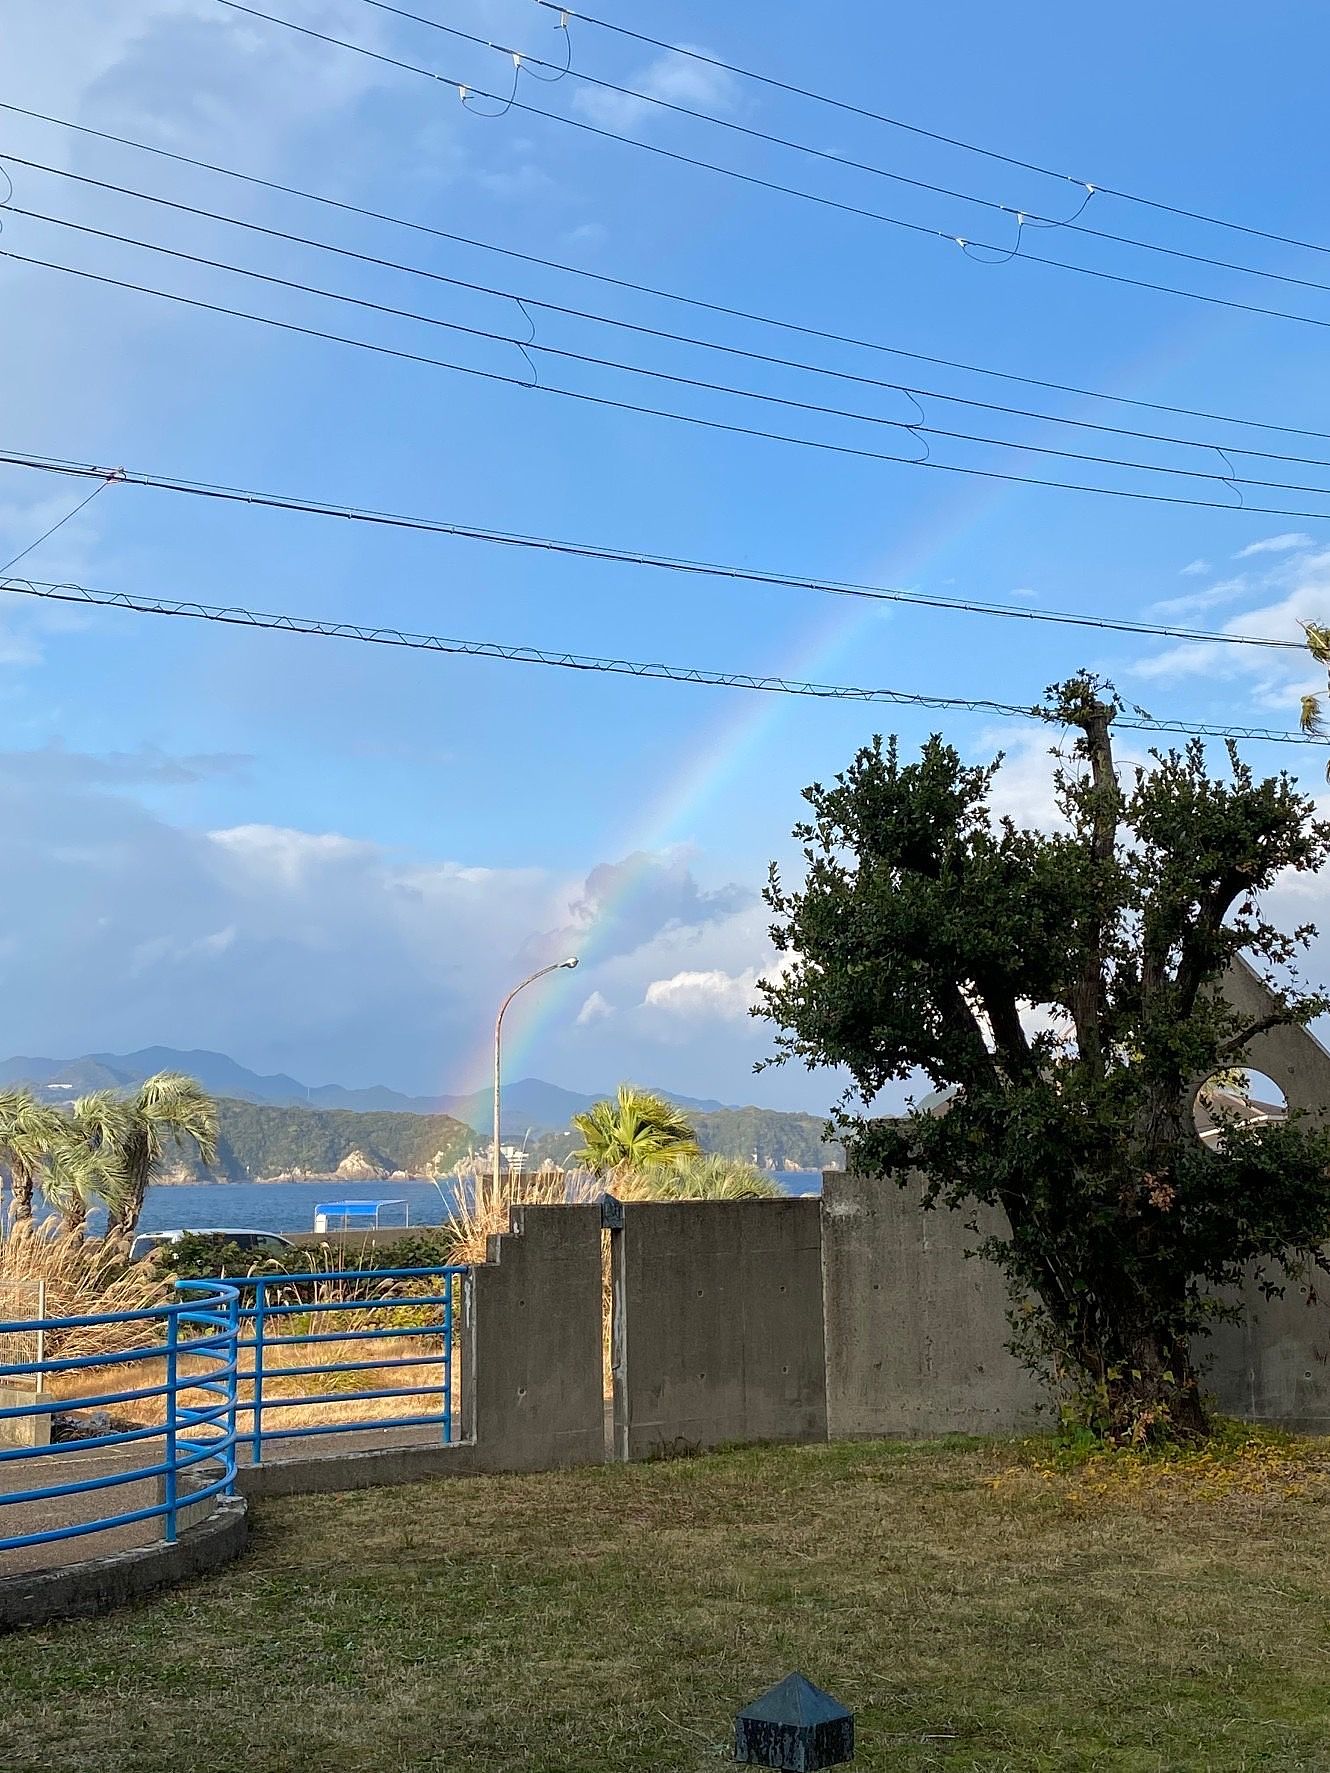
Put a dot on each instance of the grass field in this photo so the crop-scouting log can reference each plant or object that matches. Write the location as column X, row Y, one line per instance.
column 977, row 1605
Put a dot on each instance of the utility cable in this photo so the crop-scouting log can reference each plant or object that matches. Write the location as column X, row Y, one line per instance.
column 742, row 575
column 622, row 283
column 933, row 135
column 967, row 243
column 60, row 522
column 487, row 649
column 524, row 299
column 729, row 389
column 1023, row 217
column 726, row 427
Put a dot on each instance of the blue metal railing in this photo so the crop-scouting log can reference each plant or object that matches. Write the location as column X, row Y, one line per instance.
column 270, row 1313
column 192, row 1342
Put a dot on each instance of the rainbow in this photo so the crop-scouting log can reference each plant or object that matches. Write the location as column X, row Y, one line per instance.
column 733, row 738
column 726, row 746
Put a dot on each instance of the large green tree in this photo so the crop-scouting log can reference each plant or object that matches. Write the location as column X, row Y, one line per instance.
column 1065, row 987
column 634, row 1131
column 166, row 1110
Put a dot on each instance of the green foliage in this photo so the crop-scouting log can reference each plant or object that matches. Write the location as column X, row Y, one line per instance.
column 709, row 1177
column 167, row 1111
column 775, row 1137
column 260, row 1141
column 634, row 1131
column 30, row 1133
column 204, row 1255
column 924, row 931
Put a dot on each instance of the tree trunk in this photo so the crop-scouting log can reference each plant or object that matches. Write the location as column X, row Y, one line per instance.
column 20, row 1194
column 1149, row 1392
column 74, row 1217
column 122, row 1219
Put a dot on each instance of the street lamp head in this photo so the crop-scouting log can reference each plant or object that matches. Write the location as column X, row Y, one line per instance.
column 570, row 962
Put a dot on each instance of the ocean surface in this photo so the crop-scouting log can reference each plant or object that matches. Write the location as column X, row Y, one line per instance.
column 289, row 1206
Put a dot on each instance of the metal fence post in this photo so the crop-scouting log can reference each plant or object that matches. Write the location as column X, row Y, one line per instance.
column 232, row 1388
column 41, row 1337
column 449, row 1280
column 256, row 1438
column 172, row 1382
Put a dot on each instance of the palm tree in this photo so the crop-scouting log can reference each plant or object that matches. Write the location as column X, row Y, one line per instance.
column 712, row 1177
column 635, row 1131
column 29, row 1132
column 87, row 1163
column 166, row 1109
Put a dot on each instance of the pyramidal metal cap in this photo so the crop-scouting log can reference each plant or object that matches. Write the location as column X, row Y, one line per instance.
column 796, row 1726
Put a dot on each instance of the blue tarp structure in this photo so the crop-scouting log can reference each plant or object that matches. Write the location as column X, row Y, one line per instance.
column 346, row 1215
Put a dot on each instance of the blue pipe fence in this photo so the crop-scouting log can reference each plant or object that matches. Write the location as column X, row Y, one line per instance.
column 282, row 1313
column 223, row 1357
column 192, row 1342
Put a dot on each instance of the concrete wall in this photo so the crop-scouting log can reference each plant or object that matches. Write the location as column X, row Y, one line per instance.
column 1293, row 1057
column 915, row 1329
column 717, row 1325
column 1274, row 1367
column 532, row 1357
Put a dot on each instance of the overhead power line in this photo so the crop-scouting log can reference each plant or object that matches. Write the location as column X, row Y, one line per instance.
column 933, row 135
column 602, row 552
column 524, row 299
column 918, row 428
column 801, row 329
column 1023, row 217
column 605, row 402
column 236, row 616
column 967, row 243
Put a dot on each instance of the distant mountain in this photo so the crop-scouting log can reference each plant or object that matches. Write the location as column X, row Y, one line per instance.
column 528, row 1103
column 323, row 1126
column 259, row 1141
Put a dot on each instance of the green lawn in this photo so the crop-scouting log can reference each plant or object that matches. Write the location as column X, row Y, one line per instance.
column 976, row 1608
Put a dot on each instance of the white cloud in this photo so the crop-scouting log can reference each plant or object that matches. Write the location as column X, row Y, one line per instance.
column 595, row 1009
column 1224, row 591
column 1194, row 569
column 1294, row 588
column 1281, row 544
column 710, row 994
column 674, row 79
column 338, row 959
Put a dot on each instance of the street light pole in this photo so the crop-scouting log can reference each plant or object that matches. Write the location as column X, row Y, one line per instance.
column 553, row 967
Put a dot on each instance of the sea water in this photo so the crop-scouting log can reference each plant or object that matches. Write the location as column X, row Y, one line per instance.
column 289, row 1206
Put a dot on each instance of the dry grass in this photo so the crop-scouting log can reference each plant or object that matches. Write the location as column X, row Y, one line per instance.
column 982, row 1608
column 81, row 1277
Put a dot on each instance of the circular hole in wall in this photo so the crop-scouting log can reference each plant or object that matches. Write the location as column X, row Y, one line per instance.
column 1240, row 1098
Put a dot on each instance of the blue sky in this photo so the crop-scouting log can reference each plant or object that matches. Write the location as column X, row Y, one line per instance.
column 332, row 859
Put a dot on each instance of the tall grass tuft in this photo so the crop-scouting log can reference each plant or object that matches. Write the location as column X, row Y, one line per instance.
column 80, row 1278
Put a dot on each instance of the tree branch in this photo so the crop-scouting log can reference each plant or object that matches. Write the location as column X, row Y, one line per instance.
column 1087, row 994
column 1277, row 1019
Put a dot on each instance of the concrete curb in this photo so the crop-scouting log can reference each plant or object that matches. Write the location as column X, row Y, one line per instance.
column 92, row 1587
column 331, row 1474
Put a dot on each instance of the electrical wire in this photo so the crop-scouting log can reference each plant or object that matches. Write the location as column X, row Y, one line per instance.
column 526, row 346
column 622, row 283
column 964, row 242
column 637, row 408
column 1023, row 217
column 60, row 523
column 604, row 553
column 524, row 299
column 236, row 616
column 933, row 135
